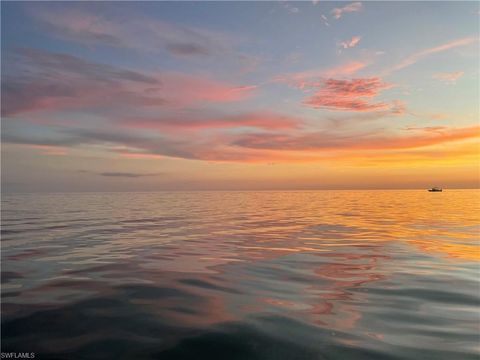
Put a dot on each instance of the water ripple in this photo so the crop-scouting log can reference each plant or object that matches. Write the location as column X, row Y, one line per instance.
column 242, row 275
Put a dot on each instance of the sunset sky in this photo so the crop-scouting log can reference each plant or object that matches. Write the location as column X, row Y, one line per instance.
column 144, row 96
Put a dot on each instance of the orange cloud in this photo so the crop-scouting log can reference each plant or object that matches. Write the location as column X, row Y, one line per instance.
column 325, row 141
column 455, row 154
column 431, row 138
column 289, row 146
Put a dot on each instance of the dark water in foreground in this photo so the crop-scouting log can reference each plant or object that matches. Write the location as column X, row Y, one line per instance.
column 242, row 275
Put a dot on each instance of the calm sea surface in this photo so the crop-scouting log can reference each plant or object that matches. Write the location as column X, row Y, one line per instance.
column 242, row 275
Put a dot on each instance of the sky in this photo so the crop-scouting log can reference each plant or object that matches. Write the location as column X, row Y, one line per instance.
column 145, row 96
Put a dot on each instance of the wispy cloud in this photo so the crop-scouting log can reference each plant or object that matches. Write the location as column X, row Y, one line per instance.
column 324, row 20
column 346, row 69
column 414, row 58
column 74, row 23
column 310, row 78
column 187, row 49
column 349, row 120
column 449, row 77
column 350, row 43
column 353, row 7
column 291, row 8
column 260, row 120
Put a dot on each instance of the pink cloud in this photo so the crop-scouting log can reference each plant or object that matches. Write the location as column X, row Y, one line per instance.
column 349, row 95
column 449, row 77
column 52, row 82
column 184, row 89
column 353, row 7
column 368, row 87
column 351, row 43
column 345, row 104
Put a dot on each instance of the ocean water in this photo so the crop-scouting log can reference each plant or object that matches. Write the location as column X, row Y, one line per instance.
column 242, row 275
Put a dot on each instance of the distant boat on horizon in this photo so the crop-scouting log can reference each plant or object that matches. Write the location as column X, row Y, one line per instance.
column 435, row 189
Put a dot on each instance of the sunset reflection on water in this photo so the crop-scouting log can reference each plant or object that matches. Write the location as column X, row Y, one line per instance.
column 339, row 274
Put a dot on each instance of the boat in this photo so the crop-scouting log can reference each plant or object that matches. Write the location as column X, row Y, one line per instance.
column 435, row 189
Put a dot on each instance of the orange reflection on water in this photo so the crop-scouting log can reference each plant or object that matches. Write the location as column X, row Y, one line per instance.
column 451, row 250
column 200, row 259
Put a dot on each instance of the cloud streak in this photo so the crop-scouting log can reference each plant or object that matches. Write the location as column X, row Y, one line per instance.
column 420, row 55
column 324, row 20
column 449, row 77
column 325, row 140
column 286, row 145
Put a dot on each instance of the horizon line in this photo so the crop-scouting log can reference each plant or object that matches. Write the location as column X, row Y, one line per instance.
column 228, row 190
